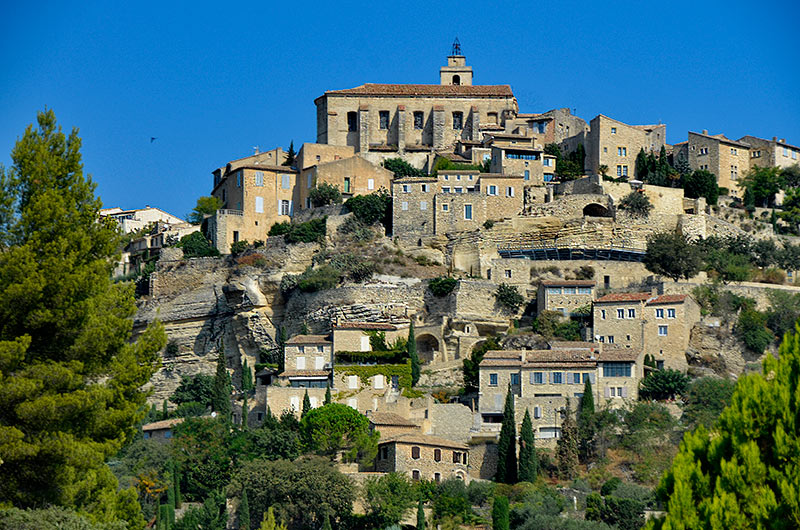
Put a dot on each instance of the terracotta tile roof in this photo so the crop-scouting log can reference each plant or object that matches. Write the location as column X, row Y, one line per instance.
column 623, row 297
column 569, row 366
column 619, row 355
column 305, row 373
column 261, row 167
column 163, row 424
column 459, row 172
column 571, row 345
column 668, row 299
column 561, row 356
column 568, row 283
column 500, row 362
column 309, row 339
column 376, row 89
column 722, row 138
column 424, row 439
column 504, row 354
column 378, row 326
column 390, row 418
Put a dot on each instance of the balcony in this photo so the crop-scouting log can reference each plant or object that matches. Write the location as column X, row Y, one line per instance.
column 239, row 213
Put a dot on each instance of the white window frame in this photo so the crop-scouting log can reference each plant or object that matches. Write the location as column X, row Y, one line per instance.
column 663, row 331
column 300, row 362
column 423, row 205
column 404, row 206
column 259, row 178
column 660, row 313
column 468, row 217
column 259, row 204
column 370, row 184
column 620, row 313
column 509, row 191
column 670, row 313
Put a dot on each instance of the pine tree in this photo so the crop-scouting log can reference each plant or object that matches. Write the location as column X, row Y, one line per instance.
column 528, row 461
column 164, row 410
column 411, row 346
column 327, row 394
column 176, row 483
column 290, row 156
column 326, row 524
column 586, row 423
column 567, row 446
column 507, row 445
column 306, row 404
column 245, row 411
column 221, row 401
column 642, row 166
column 421, row 515
column 304, row 329
column 500, row 515
column 65, row 330
column 247, row 377
column 244, row 511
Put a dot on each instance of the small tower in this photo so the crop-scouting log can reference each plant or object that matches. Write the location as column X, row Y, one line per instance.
column 456, row 72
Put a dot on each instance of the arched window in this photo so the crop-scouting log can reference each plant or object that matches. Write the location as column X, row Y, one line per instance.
column 415, row 453
column 437, row 455
column 456, row 79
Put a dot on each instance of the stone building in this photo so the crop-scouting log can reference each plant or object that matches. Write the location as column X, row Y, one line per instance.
column 308, row 362
column 389, row 424
column 385, row 120
column 553, row 126
column 535, row 167
column 160, row 430
column 727, row 159
column 660, row 325
column 355, row 336
column 255, row 194
column 423, row 457
column 771, row 153
column 546, row 381
column 564, row 296
column 149, row 245
column 133, row 220
column 614, row 144
column 352, row 176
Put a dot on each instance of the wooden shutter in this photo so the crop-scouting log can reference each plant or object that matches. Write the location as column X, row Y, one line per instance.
column 607, row 392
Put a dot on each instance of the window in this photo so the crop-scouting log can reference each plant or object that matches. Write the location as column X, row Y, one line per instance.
column 670, row 313
column 437, row 455
column 238, row 179
column 285, row 207
column 611, row 339
column 286, row 181
column 301, row 363
column 370, row 184
column 492, row 379
column 347, row 184
column 613, row 130
column 509, row 191
column 576, row 378
column 458, row 189
column 537, row 378
column 259, row 204
column 308, row 180
column 554, row 290
column 419, row 120
column 602, row 314
column 383, row 116
column 352, row 382
column 527, row 174
column 424, row 188
column 605, row 149
column 458, row 120
column 785, row 151
column 703, row 151
column 631, row 313
column 492, row 190
column 415, row 474
column 537, row 412
column 620, row 313
column 384, row 453
column 624, row 171
column 733, row 151
column 468, row 212
column 662, row 331
column 259, row 178
column 378, row 381
column 437, row 477
column 508, row 273
column 659, row 313
column 404, row 206
column 794, row 154
column 622, row 151
column 515, row 379
column 557, row 378
column 319, row 362
column 584, row 290
column 168, row 434
column 547, row 162
column 146, row 435
column 415, row 452
column 616, row 369
column 457, row 458
column 445, row 207
column 423, row 205
column 619, row 171
column 352, row 122
column 446, row 189
column 570, row 290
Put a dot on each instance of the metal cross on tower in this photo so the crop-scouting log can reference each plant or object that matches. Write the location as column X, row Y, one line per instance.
column 456, row 47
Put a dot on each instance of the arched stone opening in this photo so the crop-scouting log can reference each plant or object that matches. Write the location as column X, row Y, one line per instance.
column 427, row 346
column 595, row 210
column 456, row 79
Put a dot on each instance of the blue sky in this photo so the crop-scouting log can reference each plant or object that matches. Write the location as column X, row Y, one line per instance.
column 211, row 80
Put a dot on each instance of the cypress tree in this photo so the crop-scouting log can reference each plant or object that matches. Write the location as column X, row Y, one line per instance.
column 306, row 404
column 567, row 446
column 164, row 410
column 244, row 511
column 221, row 400
column 528, row 461
column 412, row 353
column 245, row 410
column 281, row 348
column 500, row 516
column 290, row 155
column 507, row 446
column 586, row 423
column 421, row 515
column 170, row 495
column 641, row 165
column 327, row 394
column 176, row 481
column 247, row 377
column 326, row 525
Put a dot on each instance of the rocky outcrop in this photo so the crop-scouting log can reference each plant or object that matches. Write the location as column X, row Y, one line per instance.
column 712, row 345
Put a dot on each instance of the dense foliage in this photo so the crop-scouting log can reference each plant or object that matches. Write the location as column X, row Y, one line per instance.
column 509, row 297
column 636, row 203
column 705, row 400
column 324, row 194
column 205, row 206
column 336, row 427
column 507, row 444
column 312, row 231
column 671, row 254
column 401, row 168
column 701, row 183
column 471, row 364
column 442, row 286
column 195, row 245
column 663, row 384
column 372, row 208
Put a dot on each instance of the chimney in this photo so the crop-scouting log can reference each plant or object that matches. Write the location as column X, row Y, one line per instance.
column 705, row 131
column 774, row 138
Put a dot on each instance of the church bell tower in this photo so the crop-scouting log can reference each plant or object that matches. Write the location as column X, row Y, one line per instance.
column 456, row 72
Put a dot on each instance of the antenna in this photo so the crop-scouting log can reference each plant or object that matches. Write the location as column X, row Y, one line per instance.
column 456, row 47
column 256, row 149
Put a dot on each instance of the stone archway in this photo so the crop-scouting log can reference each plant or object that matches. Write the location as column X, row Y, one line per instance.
column 427, row 347
column 595, row 210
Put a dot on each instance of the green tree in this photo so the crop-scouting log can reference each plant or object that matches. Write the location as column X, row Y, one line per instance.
column 411, row 347
column 247, row 377
column 507, row 445
column 389, row 498
column 176, row 484
column 637, row 203
column 210, row 515
column 198, row 388
column 671, row 254
column 202, row 450
column 244, row 511
column 682, row 165
column 306, row 404
column 401, row 168
column 701, row 183
column 335, row 427
column 509, row 297
column 326, row 524
column 205, row 206
column 567, row 446
column 751, row 328
column 70, row 376
column 663, row 384
column 705, row 400
column 471, row 365
column 749, row 200
column 586, row 421
column 324, row 194
column 327, row 394
column 372, row 208
column 791, row 209
column 744, row 473
column 195, row 245
column 500, row 519
column 290, row 155
column 764, row 183
column 245, row 411
column 221, row 401
column 421, row 515
column 642, row 167
column 528, row 460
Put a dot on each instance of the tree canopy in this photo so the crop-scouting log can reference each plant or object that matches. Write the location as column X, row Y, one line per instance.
column 671, row 254
column 205, row 206
column 69, row 373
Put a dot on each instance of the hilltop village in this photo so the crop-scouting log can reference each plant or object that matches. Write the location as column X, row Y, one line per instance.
column 437, row 253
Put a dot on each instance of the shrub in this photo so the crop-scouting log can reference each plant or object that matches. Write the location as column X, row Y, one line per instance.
column 195, row 245
column 509, row 297
column 238, row 247
column 279, row 229
column 324, row 194
column 663, row 384
column 372, row 357
column 312, row 231
column 488, row 224
column 610, row 485
column 401, row 168
column 637, row 203
column 372, row 208
column 751, row 328
column 356, row 229
column 705, row 400
column 442, row 286
column 584, row 272
column 319, row 279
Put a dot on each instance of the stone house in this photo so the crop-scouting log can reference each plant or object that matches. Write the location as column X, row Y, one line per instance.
column 386, row 120
column 564, row 296
column 423, row 457
column 390, row 424
column 771, row 153
column 255, row 195
column 355, row 336
column 660, row 325
column 352, row 176
column 530, row 162
column 308, row 362
column 553, row 126
column 545, row 381
column 511, row 271
column 727, row 159
column 160, row 430
column 133, row 220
